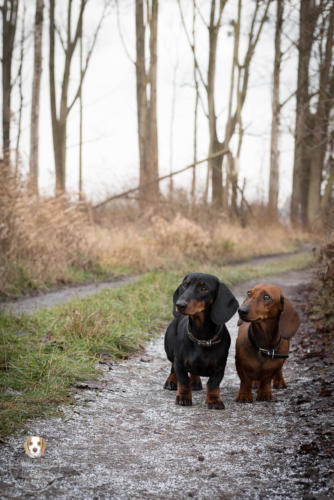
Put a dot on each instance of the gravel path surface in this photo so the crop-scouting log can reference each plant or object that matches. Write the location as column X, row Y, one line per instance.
column 129, row 440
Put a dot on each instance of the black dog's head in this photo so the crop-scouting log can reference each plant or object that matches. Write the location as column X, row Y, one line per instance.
column 204, row 292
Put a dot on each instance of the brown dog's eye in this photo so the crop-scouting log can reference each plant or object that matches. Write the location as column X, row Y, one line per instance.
column 266, row 297
column 249, row 293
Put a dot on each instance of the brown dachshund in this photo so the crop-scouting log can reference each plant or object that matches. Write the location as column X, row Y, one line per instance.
column 267, row 321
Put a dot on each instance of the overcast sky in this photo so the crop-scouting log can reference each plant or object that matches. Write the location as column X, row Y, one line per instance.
column 110, row 152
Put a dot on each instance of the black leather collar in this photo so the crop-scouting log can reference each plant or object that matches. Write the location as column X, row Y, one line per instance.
column 267, row 353
column 206, row 343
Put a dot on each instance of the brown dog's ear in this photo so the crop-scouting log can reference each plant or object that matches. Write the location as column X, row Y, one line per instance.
column 289, row 320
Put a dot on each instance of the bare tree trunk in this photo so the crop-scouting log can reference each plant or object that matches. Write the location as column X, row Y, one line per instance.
column 327, row 201
column 59, row 117
column 276, row 109
column 146, row 86
column 214, row 165
column 21, row 99
column 9, row 22
column 321, row 120
column 35, row 99
column 193, row 183
column 303, row 128
column 171, row 133
column 80, row 118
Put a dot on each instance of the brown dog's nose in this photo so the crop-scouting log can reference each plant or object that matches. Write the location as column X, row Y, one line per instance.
column 34, row 450
column 243, row 310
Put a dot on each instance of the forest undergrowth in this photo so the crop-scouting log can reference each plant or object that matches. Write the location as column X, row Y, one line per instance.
column 47, row 241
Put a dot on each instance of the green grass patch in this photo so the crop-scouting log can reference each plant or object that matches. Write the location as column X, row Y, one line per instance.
column 42, row 354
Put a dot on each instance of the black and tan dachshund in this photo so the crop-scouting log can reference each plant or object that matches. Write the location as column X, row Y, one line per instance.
column 197, row 340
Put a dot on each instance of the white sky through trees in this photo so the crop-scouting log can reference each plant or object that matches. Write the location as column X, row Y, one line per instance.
column 110, row 151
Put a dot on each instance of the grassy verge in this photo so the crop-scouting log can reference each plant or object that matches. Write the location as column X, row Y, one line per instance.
column 42, row 354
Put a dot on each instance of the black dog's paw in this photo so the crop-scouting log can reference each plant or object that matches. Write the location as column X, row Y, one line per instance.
column 216, row 405
column 170, row 385
column 183, row 401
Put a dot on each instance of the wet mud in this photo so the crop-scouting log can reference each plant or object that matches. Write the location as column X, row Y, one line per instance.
column 127, row 439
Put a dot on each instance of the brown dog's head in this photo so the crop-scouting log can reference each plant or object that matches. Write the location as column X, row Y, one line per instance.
column 264, row 302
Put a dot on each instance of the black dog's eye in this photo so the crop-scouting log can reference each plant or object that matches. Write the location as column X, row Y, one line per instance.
column 249, row 293
column 204, row 289
column 266, row 297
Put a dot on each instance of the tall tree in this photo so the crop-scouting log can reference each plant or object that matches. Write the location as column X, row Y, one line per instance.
column 276, row 109
column 9, row 10
column 35, row 98
column 321, row 118
column 315, row 102
column 146, row 83
column 59, row 116
column 307, row 22
column 219, row 148
column 21, row 97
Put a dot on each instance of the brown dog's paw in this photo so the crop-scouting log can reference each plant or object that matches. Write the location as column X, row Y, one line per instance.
column 170, row 385
column 244, row 398
column 183, row 401
column 216, row 405
column 281, row 384
column 264, row 396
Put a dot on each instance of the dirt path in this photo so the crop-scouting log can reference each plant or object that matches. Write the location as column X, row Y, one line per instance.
column 66, row 293
column 130, row 441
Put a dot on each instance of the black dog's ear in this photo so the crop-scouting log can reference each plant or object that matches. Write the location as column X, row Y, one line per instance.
column 175, row 297
column 224, row 306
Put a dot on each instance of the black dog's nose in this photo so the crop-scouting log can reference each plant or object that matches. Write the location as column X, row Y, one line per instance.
column 243, row 310
column 181, row 305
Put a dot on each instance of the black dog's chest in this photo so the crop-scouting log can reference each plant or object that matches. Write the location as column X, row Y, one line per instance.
column 202, row 362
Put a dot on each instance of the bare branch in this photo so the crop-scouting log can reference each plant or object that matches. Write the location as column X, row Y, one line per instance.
column 159, row 179
column 89, row 54
column 127, row 52
column 60, row 36
column 191, row 45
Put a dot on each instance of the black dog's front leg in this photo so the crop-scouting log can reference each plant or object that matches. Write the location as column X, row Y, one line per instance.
column 213, row 399
column 183, row 394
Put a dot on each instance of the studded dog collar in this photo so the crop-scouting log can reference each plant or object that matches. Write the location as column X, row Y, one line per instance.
column 206, row 343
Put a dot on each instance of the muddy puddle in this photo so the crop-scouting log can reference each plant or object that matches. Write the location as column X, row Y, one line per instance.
column 130, row 441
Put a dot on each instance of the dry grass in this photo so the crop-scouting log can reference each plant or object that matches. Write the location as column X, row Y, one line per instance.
column 159, row 242
column 41, row 237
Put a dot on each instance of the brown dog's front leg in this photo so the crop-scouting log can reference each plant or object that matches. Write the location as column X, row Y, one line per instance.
column 278, row 380
column 264, row 391
column 245, row 392
column 183, row 395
